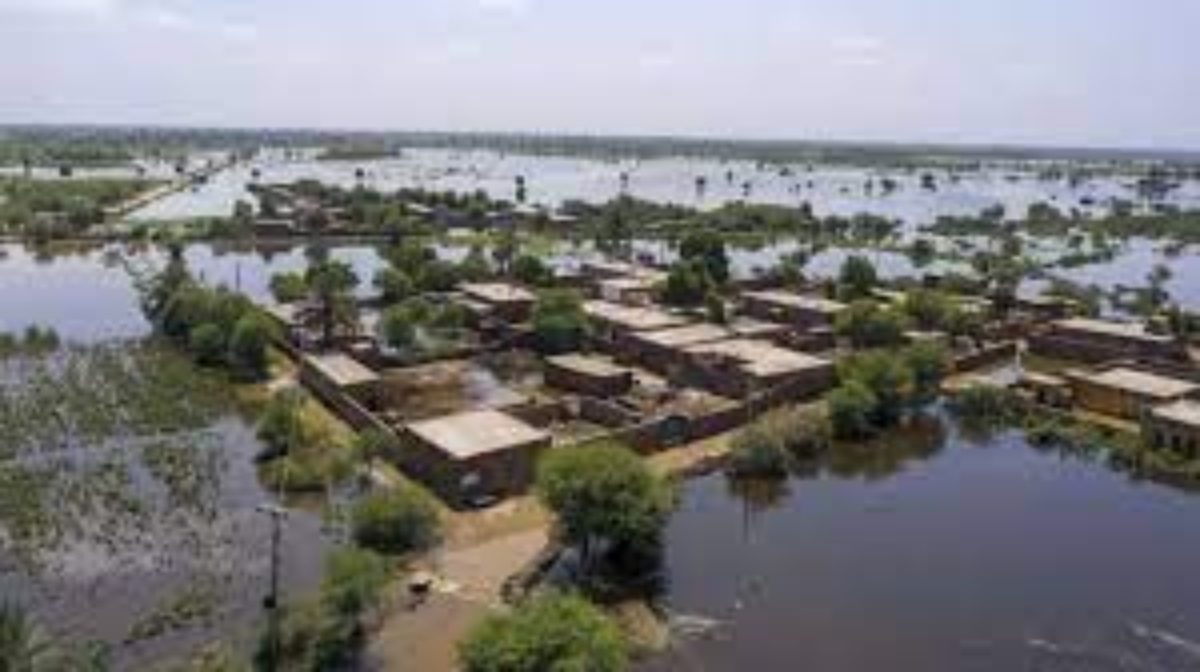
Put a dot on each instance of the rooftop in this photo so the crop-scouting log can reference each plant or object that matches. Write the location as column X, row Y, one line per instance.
column 760, row 358
column 589, row 365
column 474, row 433
column 497, row 292
column 793, row 300
column 342, row 369
column 630, row 317
column 691, row 334
column 1126, row 330
column 1184, row 412
column 1143, row 383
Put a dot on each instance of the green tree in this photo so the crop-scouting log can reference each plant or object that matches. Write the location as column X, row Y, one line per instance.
column 604, row 494
column 549, row 632
column 281, row 427
column 396, row 521
column 530, row 270
column 867, row 325
column 929, row 309
column 559, row 323
column 687, row 285
column 929, row 363
column 857, row 278
column 708, row 248
column 887, row 377
column 398, row 327
column 332, row 283
column 393, row 284
column 353, row 581
column 288, row 287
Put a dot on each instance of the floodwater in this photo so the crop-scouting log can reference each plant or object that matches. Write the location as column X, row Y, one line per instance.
column 551, row 180
column 938, row 553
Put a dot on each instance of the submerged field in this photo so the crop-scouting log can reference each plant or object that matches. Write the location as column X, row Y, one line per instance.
column 127, row 501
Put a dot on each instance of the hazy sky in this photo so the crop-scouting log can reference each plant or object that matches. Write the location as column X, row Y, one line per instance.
column 1095, row 72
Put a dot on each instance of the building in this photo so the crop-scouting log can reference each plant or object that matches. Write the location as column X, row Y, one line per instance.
column 1175, row 427
column 612, row 321
column 796, row 310
column 1046, row 389
column 629, row 290
column 504, row 301
column 1097, row 341
column 336, row 376
column 738, row 368
column 473, row 457
column 1125, row 392
column 588, row 374
column 664, row 351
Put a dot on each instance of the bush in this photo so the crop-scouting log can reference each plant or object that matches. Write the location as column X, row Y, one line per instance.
column 353, row 581
column 288, row 287
column 985, row 404
column 857, row 278
column 397, row 521
column 280, row 426
column 559, row 323
column 248, row 347
column 687, row 285
column 206, row 342
column 530, row 270
column 756, row 454
column 394, row 285
column 767, row 447
column 549, row 632
column 886, row 376
column 867, row 325
column 852, row 408
column 929, row 363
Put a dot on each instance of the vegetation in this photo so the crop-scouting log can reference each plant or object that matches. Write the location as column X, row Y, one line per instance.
column 604, row 496
column 559, row 323
column 688, row 284
column 25, row 647
column 867, row 325
column 396, row 521
column 301, row 452
column 327, row 633
column 550, row 632
column 768, row 447
column 42, row 210
column 857, row 278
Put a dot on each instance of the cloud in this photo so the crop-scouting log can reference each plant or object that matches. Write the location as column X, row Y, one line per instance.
column 508, row 6
column 83, row 8
column 858, row 49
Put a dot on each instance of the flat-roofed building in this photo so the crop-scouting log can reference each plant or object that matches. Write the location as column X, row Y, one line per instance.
column 1126, row 392
column 740, row 367
column 588, row 374
column 665, row 350
column 629, row 290
column 1174, row 426
column 796, row 310
column 333, row 375
column 474, row 455
column 613, row 320
column 1046, row 389
column 1096, row 341
column 508, row 302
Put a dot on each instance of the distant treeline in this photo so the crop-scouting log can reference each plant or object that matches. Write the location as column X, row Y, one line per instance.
column 766, row 151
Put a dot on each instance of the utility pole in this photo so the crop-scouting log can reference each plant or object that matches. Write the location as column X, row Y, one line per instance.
column 271, row 601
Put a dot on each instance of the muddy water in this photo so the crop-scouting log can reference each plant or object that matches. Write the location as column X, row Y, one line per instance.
column 942, row 555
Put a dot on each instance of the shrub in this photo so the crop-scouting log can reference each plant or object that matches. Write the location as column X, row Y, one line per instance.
column 206, row 342
column 857, row 278
column 288, row 287
column 248, row 347
column 559, row 323
column 396, row 521
column 549, row 632
column 852, row 408
column 867, row 325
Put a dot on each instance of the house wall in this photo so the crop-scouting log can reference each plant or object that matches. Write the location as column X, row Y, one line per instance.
column 1176, row 437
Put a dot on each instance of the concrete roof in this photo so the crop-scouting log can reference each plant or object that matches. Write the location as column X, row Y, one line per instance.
column 1042, row 379
column 747, row 326
column 801, row 301
column 342, row 369
column 497, row 292
column 474, row 433
column 589, row 365
column 630, row 317
column 760, row 358
column 691, row 334
column 1183, row 412
column 1126, row 330
column 1144, row 383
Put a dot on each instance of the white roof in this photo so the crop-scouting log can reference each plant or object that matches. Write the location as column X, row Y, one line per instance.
column 343, row 370
column 1184, row 412
column 497, row 292
column 1127, row 330
column 631, row 317
column 801, row 301
column 760, row 358
column 1144, row 383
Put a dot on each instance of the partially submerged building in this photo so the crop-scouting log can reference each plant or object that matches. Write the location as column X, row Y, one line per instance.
column 1174, row 426
column 612, row 321
column 1095, row 341
column 474, row 456
column 1126, row 392
column 665, row 351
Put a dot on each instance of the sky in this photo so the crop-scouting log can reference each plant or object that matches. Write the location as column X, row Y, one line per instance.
column 1113, row 73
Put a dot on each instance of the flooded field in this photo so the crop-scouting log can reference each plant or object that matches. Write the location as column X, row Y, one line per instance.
column 129, row 503
column 935, row 552
column 839, row 190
